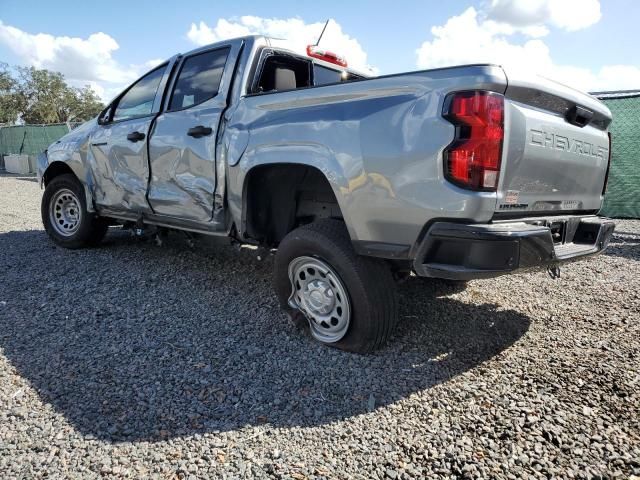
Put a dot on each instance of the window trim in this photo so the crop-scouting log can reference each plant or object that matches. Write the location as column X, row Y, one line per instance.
column 176, row 76
column 114, row 104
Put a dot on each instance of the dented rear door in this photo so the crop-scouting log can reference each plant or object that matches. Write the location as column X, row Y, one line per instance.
column 182, row 146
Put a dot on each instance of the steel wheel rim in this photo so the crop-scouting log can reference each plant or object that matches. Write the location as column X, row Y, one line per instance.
column 318, row 292
column 65, row 213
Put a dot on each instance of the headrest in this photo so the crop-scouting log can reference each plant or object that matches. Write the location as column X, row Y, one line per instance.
column 285, row 79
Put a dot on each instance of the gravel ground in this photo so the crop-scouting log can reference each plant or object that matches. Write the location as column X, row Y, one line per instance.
column 133, row 360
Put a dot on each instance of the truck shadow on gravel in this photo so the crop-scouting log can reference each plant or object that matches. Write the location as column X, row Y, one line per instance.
column 624, row 244
column 134, row 342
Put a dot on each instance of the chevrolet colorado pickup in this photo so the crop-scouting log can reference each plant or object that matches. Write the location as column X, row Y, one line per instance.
column 455, row 173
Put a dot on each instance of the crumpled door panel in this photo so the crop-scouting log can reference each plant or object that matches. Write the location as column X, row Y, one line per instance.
column 119, row 166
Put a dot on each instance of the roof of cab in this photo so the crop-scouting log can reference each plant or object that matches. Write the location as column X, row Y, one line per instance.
column 279, row 44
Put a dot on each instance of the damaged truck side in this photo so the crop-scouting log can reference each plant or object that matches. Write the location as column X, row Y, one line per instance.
column 456, row 173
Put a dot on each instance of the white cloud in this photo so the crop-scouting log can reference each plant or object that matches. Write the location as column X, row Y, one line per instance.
column 467, row 39
column 297, row 33
column 472, row 37
column 83, row 61
column 569, row 15
column 154, row 62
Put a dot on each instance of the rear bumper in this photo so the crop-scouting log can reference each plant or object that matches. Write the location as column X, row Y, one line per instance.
column 464, row 252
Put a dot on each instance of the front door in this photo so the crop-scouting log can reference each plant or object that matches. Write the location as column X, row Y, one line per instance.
column 182, row 146
column 118, row 159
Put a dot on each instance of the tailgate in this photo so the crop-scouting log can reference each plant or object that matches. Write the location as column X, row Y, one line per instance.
column 556, row 149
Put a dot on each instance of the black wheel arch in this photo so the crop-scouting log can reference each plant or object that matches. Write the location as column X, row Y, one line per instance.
column 55, row 169
column 279, row 197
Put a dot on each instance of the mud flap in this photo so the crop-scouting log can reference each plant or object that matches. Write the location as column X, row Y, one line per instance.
column 554, row 271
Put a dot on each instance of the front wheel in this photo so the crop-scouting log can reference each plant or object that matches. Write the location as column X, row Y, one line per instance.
column 65, row 216
column 345, row 300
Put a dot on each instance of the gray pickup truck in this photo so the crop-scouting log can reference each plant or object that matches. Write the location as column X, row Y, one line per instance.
column 455, row 173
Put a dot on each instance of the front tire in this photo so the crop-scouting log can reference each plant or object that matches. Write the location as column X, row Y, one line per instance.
column 65, row 216
column 345, row 300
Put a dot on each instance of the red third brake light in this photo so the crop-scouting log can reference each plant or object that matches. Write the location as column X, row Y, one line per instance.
column 472, row 160
column 315, row 52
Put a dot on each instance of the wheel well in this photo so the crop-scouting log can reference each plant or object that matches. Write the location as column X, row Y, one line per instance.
column 281, row 197
column 54, row 170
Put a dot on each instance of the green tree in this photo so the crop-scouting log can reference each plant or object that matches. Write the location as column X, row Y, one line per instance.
column 47, row 94
column 41, row 96
column 85, row 104
column 12, row 102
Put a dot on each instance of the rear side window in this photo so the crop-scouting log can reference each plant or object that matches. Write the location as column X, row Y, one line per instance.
column 284, row 72
column 198, row 79
column 138, row 101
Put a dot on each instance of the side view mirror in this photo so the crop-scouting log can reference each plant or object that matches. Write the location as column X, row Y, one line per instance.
column 105, row 116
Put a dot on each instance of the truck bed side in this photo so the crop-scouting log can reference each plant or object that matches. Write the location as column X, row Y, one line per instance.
column 378, row 141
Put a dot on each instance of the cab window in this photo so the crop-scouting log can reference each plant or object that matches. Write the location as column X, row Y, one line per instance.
column 138, row 101
column 324, row 76
column 199, row 79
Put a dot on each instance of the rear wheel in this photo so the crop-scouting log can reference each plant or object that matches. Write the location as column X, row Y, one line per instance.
column 344, row 300
column 65, row 216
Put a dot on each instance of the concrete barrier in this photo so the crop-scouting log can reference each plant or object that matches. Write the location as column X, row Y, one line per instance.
column 17, row 164
column 33, row 163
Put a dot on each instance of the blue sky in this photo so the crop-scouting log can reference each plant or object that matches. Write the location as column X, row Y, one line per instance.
column 590, row 44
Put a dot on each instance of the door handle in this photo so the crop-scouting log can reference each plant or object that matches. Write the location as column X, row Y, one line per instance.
column 135, row 136
column 199, row 131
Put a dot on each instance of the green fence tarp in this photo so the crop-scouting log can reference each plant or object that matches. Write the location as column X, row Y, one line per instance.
column 29, row 139
column 622, row 199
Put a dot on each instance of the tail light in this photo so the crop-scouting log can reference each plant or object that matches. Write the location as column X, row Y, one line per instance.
column 472, row 160
column 606, row 175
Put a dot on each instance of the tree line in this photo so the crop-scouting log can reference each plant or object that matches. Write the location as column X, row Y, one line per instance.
column 33, row 96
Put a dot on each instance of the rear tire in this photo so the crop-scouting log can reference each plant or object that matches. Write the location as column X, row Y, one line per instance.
column 65, row 216
column 344, row 300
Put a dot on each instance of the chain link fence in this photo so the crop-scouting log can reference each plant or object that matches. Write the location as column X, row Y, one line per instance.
column 622, row 199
